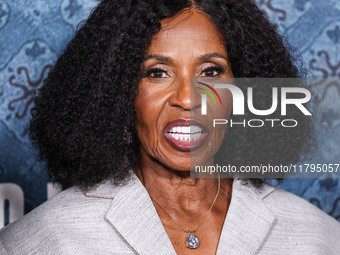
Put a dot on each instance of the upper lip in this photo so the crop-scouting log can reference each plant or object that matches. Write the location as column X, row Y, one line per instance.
column 185, row 123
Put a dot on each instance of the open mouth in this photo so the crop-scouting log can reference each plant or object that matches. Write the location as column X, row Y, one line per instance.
column 185, row 135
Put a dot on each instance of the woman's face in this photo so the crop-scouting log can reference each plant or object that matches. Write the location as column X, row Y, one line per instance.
column 169, row 123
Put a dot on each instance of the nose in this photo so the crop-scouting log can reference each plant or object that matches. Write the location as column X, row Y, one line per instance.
column 185, row 95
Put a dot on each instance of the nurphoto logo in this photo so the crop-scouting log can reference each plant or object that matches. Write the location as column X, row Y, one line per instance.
column 238, row 97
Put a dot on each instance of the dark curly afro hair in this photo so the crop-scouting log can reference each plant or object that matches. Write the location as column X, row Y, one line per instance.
column 87, row 100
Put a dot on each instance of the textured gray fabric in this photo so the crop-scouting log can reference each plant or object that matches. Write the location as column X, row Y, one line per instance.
column 122, row 220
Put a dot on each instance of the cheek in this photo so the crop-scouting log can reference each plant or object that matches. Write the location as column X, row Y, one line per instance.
column 146, row 114
column 149, row 105
column 224, row 111
column 216, row 134
column 221, row 112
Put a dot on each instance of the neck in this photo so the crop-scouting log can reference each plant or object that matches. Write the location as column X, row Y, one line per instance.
column 177, row 192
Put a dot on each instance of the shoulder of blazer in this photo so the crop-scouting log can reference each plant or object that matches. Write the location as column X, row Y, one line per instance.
column 62, row 213
column 301, row 218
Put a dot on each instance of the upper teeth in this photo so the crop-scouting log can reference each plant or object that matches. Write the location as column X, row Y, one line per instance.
column 186, row 129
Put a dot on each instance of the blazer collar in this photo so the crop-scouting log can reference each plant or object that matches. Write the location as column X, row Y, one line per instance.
column 133, row 215
column 248, row 222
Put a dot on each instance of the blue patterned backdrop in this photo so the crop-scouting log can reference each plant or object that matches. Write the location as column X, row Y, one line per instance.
column 34, row 33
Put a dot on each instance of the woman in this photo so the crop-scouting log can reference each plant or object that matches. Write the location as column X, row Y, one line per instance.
column 112, row 122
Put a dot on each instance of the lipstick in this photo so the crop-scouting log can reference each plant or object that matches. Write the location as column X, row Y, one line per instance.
column 185, row 135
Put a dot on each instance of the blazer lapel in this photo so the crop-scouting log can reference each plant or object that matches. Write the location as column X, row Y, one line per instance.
column 247, row 225
column 134, row 216
column 248, row 221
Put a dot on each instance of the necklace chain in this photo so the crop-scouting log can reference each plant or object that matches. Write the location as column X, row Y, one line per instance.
column 186, row 230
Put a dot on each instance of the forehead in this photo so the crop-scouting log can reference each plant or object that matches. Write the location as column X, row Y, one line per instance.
column 187, row 30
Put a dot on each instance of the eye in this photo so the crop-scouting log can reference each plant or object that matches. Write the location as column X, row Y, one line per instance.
column 156, row 73
column 213, row 71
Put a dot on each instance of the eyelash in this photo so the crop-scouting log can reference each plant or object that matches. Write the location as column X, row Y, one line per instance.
column 148, row 73
column 219, row 69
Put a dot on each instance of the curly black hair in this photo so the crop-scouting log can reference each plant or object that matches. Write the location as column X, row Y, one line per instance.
column 85, row 107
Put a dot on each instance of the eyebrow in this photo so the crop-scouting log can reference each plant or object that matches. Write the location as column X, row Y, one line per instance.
column 203, row 57
column 212, row 55
column 159, row 58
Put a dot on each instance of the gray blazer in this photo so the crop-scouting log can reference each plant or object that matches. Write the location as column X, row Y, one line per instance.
column 122, row 220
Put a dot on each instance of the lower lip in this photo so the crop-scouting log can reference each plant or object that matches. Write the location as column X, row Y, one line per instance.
column 186, row 145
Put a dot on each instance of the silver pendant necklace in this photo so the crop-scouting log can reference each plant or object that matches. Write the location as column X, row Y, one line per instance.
column 192, row 241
